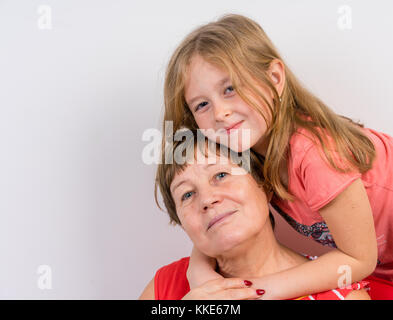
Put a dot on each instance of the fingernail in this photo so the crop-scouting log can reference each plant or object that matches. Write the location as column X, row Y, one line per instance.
column 260, row 292
column 248, row 283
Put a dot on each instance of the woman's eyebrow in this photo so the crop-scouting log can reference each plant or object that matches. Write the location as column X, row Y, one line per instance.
column 219, row 83
column 177, row 185
column 186, row 180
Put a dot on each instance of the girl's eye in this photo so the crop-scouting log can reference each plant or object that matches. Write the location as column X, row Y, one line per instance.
column 230, row 88
column 187, row 195
column 221, row 175
column 201, row 105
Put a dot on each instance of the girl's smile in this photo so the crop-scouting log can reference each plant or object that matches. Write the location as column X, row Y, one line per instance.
column 215, row 105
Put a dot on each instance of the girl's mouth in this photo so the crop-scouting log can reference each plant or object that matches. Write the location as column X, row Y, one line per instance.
column 234, row 127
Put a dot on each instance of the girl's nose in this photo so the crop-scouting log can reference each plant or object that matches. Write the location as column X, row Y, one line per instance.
column 222, row 111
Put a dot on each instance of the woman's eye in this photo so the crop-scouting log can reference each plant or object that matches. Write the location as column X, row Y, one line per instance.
column 187, row 195
column 201, row 105
column 221, row 175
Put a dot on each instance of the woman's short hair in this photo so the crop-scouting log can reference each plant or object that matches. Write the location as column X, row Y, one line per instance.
column 166, row 171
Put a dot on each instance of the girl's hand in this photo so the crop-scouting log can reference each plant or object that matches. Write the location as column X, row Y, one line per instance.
column 201, row 269
column 224, row 289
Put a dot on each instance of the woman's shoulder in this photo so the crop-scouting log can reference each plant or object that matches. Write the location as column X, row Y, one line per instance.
column 148, row 293
column 175, row 266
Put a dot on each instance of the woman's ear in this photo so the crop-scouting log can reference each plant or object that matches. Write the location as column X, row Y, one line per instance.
column 269, row 195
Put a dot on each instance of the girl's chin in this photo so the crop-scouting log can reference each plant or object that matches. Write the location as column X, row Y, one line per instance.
column 237, row 146
column 233, row 141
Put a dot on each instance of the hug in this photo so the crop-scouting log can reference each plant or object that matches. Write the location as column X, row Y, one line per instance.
column 329, row 177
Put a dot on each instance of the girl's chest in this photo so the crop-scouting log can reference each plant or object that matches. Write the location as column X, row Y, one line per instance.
column 305, row 221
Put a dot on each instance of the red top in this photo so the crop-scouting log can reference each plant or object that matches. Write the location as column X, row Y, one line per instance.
column 170, row 283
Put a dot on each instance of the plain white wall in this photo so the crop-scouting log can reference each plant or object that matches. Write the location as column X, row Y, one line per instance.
column 75, row 100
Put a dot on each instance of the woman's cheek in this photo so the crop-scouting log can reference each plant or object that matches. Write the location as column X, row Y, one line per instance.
column 191, row 223
column 237, row 184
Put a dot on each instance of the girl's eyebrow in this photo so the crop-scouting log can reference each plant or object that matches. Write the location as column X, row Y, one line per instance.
column 219, row 83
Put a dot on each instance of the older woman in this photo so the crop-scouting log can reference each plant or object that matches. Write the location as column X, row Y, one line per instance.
column 226, row 216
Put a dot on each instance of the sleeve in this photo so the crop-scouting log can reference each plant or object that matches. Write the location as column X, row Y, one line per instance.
column 321, row 182
column 340, row 294
column 170, row 281
column 157, row 286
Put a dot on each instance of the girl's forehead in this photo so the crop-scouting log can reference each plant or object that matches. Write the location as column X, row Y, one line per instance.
column 199, row 65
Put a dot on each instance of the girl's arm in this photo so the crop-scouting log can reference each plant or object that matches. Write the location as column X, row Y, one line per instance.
column 350, row 221
column 201, row 269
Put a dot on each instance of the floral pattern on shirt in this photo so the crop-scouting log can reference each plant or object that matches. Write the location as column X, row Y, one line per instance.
column 318, row 231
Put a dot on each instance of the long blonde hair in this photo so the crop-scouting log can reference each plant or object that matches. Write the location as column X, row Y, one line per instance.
column 240, row 46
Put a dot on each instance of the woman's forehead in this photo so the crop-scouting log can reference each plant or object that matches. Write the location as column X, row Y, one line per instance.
column 194, row 171
column 199, row 167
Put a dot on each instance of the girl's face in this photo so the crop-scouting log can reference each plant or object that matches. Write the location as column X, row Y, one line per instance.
column 219, row 211
column 215, row 105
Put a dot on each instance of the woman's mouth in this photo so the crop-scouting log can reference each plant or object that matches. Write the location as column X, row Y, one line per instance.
column 220, row 217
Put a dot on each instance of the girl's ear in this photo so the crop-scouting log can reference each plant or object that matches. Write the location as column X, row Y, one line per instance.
column 277, row 73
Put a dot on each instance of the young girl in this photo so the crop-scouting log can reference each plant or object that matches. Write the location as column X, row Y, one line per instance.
column 332, row 178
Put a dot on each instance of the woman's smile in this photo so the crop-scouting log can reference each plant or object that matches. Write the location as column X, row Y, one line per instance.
column 220, row 218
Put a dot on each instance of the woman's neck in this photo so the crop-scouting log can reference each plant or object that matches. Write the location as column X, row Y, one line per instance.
column 260, row 256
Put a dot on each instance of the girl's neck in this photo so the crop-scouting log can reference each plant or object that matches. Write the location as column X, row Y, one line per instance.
column 258, row 257
column 261, row 146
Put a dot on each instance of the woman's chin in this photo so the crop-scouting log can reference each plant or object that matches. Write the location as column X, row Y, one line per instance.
column 226, row 242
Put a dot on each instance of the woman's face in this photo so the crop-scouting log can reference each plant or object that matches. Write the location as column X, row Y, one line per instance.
column 218, row 210
column 215, row 105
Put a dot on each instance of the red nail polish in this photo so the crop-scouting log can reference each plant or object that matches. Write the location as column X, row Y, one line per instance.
column 260, row 292
column 248, row 283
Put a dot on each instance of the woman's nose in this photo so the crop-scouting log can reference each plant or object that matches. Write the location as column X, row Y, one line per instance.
column 209, row 198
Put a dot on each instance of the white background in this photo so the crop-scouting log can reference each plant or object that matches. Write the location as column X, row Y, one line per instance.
column 75, row 100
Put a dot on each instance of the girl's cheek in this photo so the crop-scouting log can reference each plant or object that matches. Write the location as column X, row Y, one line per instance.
column 205, row 120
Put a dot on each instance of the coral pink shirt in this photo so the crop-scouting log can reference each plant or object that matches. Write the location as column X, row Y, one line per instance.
column 315, row 183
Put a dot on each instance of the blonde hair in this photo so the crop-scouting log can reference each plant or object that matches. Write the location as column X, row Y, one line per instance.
column 240, row 46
